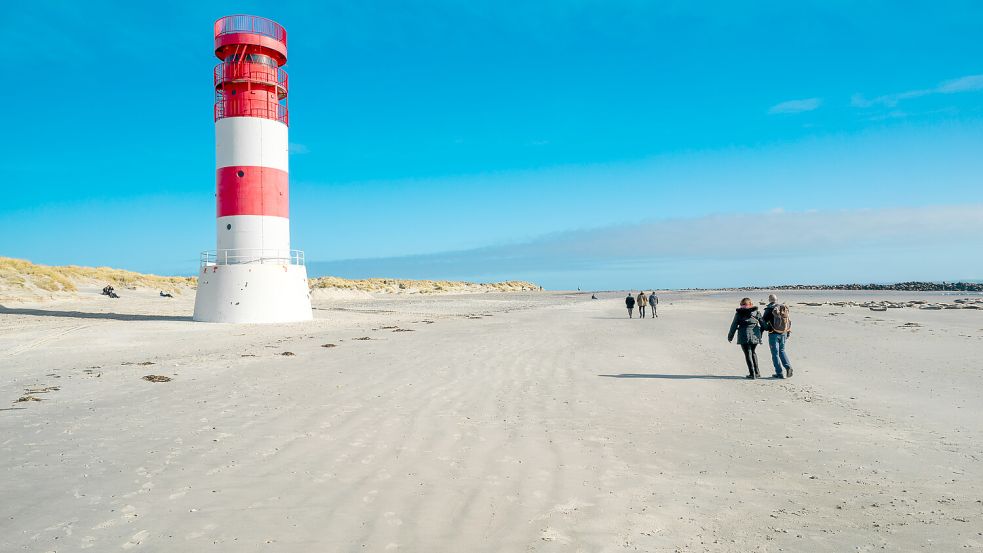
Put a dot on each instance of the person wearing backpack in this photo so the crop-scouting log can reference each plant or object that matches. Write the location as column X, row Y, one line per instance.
column 779, row 327
column 747, row 326
column 630, row 304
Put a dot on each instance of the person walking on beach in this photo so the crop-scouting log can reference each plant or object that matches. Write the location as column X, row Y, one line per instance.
column 630, row 304
column 653, row 303
column 642, row 300
column 779, row 327
column 747, row 326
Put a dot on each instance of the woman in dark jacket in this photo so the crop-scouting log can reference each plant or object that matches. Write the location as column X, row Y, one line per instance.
column 747, row 326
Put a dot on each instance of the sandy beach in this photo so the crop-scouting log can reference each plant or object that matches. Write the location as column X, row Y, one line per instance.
column 500, row 422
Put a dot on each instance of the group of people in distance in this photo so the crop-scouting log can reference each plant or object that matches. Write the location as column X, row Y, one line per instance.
column 641, row 301
column 748, row 325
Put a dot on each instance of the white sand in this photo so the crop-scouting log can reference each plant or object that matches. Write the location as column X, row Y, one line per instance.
column 527, row 422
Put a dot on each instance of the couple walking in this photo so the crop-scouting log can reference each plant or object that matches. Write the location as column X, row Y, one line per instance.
column 748, row 325
column 642, row 300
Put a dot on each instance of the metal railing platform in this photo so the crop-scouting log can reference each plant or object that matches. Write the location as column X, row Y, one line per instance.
column 247, row 256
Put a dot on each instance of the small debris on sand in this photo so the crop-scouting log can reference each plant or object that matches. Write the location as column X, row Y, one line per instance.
column 403, row 330
column 157, row 378
column 248, row 355
column 387, row 327
column 288, row 354
column 27, row 398
column 42, row 390
column 328, row 346
column 140, row 364
column 362, row 338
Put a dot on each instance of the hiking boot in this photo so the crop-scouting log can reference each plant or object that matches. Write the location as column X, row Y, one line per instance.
column 788, row 372
column 749, row 377
column 779, row 376
column 757, row 374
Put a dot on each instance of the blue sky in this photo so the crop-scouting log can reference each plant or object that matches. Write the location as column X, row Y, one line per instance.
column 594, row 144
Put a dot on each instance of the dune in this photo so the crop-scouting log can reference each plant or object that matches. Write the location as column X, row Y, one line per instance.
column 398, row 286
column 22, row 280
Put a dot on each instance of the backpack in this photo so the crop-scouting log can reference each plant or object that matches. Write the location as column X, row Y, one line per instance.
column 780, row 322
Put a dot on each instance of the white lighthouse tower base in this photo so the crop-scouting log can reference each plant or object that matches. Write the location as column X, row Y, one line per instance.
column 256, row 290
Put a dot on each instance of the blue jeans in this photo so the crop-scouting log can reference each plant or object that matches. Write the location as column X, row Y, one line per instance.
column 776, row 342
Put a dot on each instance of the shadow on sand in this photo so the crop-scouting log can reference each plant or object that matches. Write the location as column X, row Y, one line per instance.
column 675, row 376
column 85, row 315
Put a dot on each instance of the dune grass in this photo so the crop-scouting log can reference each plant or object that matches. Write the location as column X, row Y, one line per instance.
column 390, row 285
column 20, row 273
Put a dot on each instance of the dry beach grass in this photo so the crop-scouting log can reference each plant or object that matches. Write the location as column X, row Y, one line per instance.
column 22, row 280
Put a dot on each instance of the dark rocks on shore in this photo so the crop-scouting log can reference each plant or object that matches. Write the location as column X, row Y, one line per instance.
column 900, row 287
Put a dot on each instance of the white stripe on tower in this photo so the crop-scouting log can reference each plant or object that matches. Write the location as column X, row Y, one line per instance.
column 254, row 141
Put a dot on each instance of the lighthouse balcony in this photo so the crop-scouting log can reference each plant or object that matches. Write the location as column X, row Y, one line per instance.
column 251, row 107
column 234, row 32
column 249, row 73
column 243, row 256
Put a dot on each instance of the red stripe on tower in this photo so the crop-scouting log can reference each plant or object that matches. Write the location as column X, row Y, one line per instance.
column 244, row 190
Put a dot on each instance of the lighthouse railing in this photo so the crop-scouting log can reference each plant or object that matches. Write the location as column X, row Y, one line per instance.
column 225, row 107
column 243, row 71
column 243, row 256
column 251, row 24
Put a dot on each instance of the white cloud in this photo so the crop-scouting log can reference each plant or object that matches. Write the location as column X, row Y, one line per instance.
column 796, row 106
column 718, row 240
column 962, row 84
column 969, row 83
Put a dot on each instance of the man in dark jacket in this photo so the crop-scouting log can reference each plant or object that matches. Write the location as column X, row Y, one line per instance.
column 630, row 304
column 654, row 303
column 776, row 339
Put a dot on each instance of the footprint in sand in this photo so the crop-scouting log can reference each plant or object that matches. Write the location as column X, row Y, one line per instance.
column 137, row 539
column 552, row 534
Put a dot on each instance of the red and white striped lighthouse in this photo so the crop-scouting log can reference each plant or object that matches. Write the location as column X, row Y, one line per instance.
column 253, row 276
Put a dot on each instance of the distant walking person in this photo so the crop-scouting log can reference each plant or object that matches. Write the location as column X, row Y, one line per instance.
column 747, row 326
column 779, row 327
column 642, row 300
column 654, row 303
column 630, row 304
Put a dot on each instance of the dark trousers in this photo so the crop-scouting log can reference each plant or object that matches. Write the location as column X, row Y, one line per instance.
column 750, row 357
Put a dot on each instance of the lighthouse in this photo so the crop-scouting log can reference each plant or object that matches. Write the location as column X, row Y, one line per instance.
column 252, row 276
